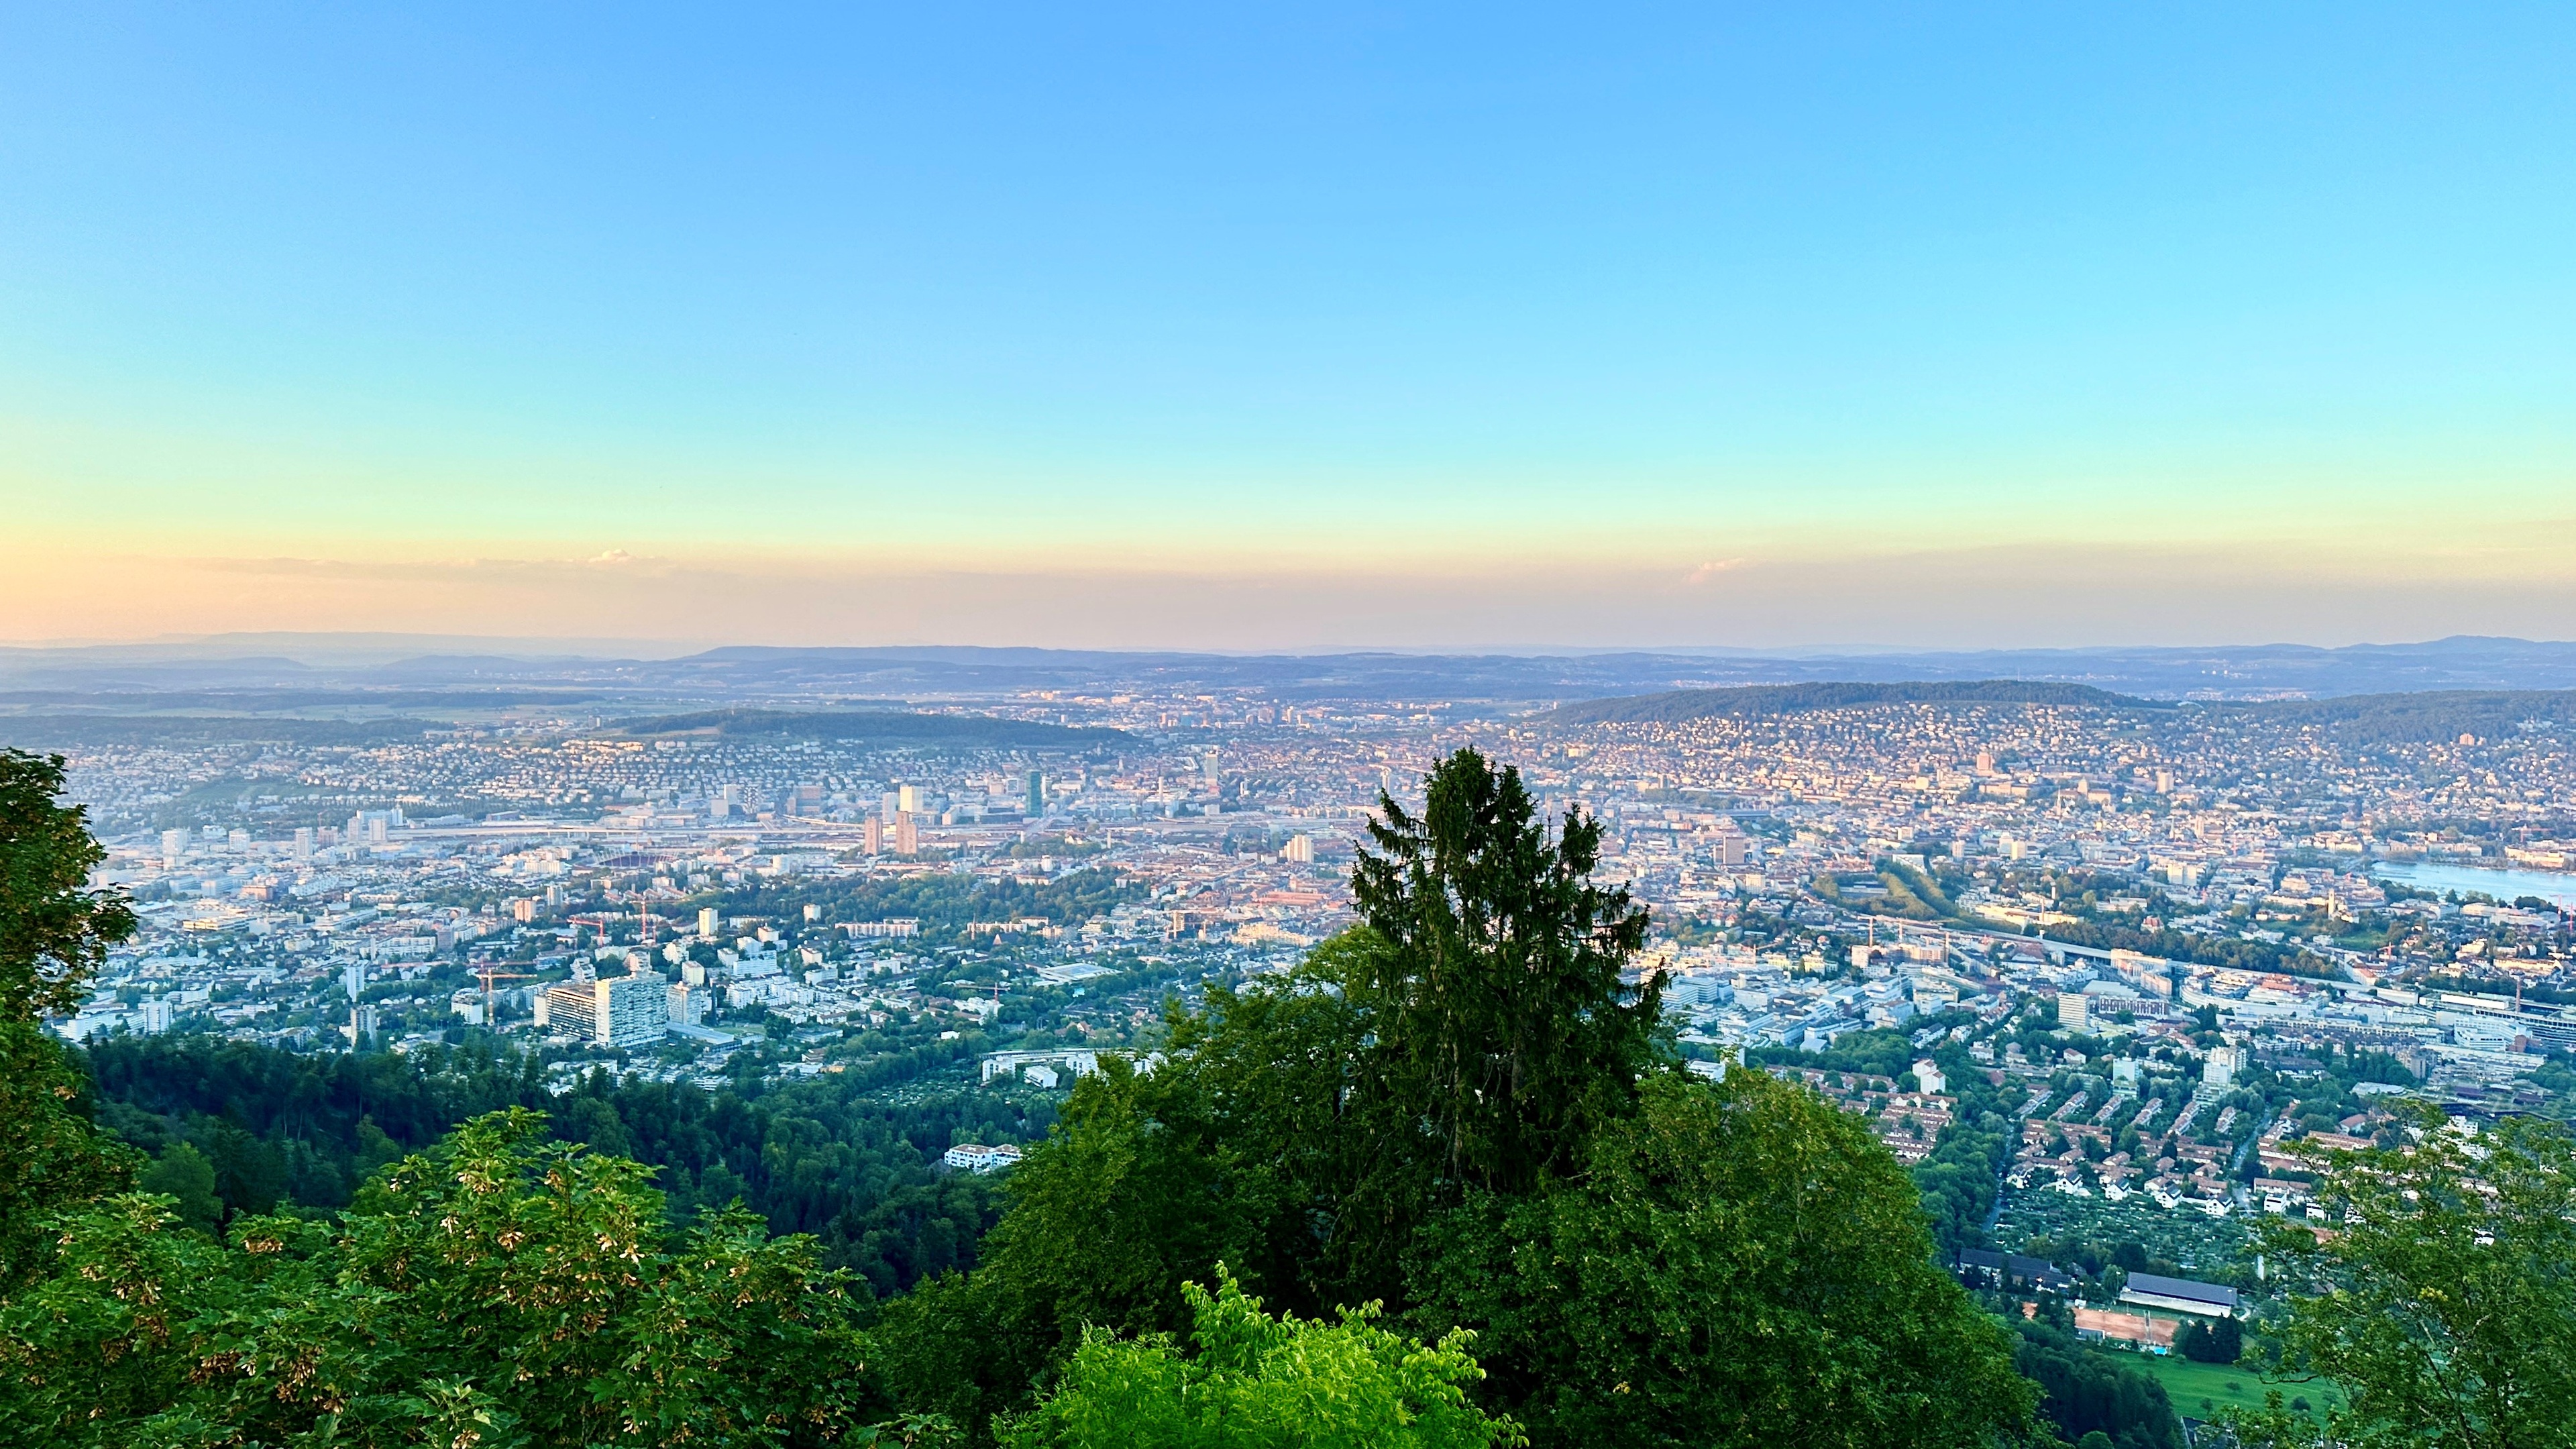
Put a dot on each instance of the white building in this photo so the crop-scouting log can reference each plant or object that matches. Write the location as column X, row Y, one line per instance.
column 632, row 1009
column 615, row 1011
column 975, row 1157
column 2220, row 1067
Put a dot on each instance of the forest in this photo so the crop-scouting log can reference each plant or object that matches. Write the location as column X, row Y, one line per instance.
column 239, row 1130
column 1444, row 1183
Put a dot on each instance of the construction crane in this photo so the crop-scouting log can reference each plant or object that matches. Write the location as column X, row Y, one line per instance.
column 490, row 1022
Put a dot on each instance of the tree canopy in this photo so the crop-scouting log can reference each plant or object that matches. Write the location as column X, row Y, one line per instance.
column 1257, row 1381
column 498, row 1291
column 2445, row 1303
column 54, row 930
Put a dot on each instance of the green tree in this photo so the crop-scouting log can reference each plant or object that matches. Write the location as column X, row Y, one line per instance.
column 54, row 930
column 1739, row 1264
column 503, row 1287
column 184, row 1174
column 1259, row 1382
column 51, row 1157
column 2445, row 1306
column 2220, row 1342
column 1502, row 1025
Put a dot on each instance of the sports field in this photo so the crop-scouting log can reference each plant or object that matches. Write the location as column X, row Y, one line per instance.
column 2189, row 1384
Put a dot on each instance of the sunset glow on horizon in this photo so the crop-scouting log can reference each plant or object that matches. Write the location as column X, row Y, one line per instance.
column 1414, row 328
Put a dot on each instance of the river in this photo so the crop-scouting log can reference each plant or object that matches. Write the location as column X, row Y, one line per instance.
column 2504, row 885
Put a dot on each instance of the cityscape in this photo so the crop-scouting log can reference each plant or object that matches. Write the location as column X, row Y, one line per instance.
column 1332, row 727
column 2182, row 936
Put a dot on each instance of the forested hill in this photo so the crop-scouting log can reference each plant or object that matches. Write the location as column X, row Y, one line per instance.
column 882, row 728
column 1754, row 701
column 264, row 1129
column 2428, row 717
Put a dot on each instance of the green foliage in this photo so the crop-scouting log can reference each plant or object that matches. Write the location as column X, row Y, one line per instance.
column 2084, row 1393
column 1738, row 1264
column 2446, row 1304
column 1257, row 1381
column 1877, row 1052
column 54, row 930
column 497, row 1291
column 1500, row 1019
column 50, row 1155
column 184, row 1175
column 2220, row 1342
column 1961, row 1176
column 811, row 1157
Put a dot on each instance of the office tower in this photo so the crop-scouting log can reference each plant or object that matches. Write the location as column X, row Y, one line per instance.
column 1210, row 765
column 1037, row 795
column 907, row 799
column 707, row 922
column 887, row 805
column 376, row 830
column 907, row 835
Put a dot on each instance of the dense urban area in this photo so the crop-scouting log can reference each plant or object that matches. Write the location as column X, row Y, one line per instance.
column 2105, row 974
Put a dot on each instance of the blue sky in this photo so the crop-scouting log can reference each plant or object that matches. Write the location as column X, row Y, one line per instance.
column 1321, row 325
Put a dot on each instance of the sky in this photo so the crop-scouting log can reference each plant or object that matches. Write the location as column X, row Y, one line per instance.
column 1290, row 327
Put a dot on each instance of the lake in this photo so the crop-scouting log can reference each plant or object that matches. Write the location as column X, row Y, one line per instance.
column 2504, row 885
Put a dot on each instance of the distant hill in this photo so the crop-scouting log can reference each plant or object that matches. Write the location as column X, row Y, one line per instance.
column 2424, row 717
column 791, row 678
column 1754, row 701
column 42, row 732
column 887, row 729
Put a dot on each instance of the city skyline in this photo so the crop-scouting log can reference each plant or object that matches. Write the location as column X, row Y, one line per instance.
column 1354, row 329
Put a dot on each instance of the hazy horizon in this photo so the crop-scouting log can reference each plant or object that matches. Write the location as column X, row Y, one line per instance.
column 1426, row 328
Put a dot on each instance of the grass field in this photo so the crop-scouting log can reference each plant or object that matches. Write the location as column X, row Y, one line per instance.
column 2188, row 1384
